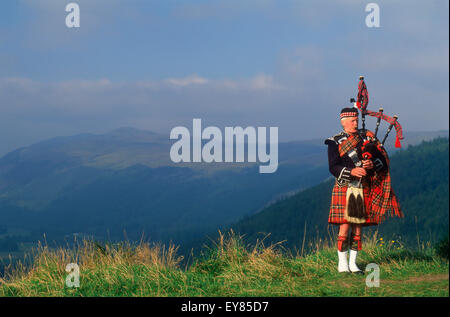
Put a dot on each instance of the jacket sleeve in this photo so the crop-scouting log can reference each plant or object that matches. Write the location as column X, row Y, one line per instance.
column 335, row 165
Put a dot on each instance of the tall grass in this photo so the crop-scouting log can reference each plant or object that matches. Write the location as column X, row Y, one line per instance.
column 109, row 265
column 227, row 267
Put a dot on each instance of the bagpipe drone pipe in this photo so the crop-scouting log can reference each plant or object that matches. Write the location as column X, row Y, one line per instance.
column 371, row 148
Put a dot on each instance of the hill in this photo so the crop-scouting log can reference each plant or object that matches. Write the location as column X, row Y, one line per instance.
column 420, row 180
column 123, row 184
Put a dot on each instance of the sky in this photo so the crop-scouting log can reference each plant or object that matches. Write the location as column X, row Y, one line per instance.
column 158, row 64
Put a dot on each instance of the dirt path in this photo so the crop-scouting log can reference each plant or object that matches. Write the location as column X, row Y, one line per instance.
column 419, row 279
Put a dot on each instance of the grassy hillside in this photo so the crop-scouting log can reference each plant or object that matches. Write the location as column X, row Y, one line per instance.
column 228, row 267
column 124, row 203
column 420, row 180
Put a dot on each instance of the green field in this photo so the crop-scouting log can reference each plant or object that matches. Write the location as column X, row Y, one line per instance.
column 229, row 268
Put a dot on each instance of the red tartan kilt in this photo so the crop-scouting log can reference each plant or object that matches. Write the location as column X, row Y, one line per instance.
column 338, row 202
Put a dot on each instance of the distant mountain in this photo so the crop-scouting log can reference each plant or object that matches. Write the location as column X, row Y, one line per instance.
column 420, row 180
column 410, row 138
column 103, row 185
column 123, row 181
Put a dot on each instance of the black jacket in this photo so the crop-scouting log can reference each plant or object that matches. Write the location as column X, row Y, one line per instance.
column 340, row 167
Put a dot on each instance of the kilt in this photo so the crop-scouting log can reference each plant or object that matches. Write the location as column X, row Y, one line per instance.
column 338, row 202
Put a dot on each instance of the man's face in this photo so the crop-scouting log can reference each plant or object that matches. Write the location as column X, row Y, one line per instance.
column 350, row 125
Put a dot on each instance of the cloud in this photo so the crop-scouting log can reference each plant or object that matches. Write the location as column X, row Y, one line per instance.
column 264, row 82
column 311, row 72
column 300, row 97
column 189, row 80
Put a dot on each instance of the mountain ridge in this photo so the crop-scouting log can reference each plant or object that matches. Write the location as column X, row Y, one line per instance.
column 39, row 193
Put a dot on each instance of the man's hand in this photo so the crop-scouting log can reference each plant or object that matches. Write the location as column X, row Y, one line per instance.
column 358, row 172
column 367, row 164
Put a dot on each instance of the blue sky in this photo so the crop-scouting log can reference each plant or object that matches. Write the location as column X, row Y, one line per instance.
column 138, row 40
column 155, row 65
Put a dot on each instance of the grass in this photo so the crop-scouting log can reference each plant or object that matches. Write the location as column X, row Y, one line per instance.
column 227, row 268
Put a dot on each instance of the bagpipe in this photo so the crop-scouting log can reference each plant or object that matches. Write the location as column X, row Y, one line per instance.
column 370, row 141
column 371, row 149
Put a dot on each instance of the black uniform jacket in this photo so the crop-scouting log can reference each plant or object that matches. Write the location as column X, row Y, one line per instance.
column 340, row 167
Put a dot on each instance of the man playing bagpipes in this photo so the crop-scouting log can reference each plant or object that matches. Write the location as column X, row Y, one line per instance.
column 362, row 193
